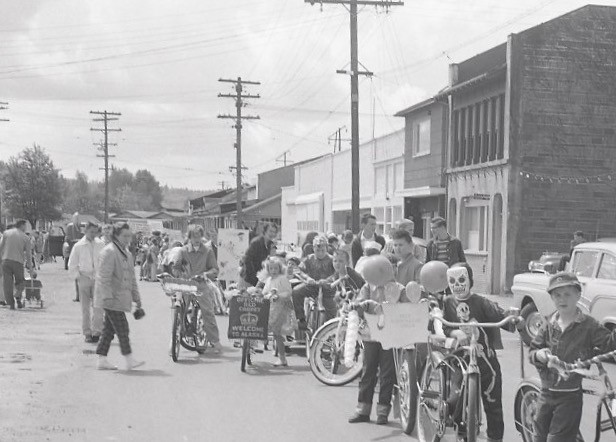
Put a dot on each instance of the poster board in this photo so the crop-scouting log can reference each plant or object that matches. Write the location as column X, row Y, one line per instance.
column 232, row 245
column 402, row 325
column 248, row 318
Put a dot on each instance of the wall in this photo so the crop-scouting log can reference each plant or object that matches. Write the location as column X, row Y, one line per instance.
column 270, row 182
column 565, row 127
column 426, row 170
column 341, row 175
column 288, row 230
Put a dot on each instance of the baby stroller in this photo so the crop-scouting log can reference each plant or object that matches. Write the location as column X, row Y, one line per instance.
column 32, row 290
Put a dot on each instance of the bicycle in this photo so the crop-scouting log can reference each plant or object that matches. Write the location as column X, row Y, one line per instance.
column 439, row 384
column 327, row 346
column 529, row 391
column 188, row 325
column 315, row 318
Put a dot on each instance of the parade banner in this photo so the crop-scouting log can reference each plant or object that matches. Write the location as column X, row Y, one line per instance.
column 232, row 245
column 248, row 318
column 400, row 325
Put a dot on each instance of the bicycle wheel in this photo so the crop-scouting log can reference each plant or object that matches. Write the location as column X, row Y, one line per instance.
column 407, row 391
column 526, row 402
column 473, row 391
column 176, row 334
column 312, row 322
column 245, row 353
column 431, row 407
column 327, row 359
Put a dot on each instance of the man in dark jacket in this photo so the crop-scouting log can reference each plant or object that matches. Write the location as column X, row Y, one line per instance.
column 368, row 233
column 260, row 248
column 444, row 247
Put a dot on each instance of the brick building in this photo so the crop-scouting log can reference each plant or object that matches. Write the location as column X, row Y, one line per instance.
column 532, row 143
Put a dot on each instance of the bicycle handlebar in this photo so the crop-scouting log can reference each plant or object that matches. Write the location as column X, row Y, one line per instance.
column 499, row 324
column 559, row 365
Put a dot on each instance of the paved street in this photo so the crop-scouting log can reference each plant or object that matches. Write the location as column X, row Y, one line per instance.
column 51, row 391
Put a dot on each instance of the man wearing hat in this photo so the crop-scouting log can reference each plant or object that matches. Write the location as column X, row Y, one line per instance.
column 568, row 335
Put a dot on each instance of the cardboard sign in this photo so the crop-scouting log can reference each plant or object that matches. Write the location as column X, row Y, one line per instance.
column 248, row 318
column 232, row 245
column 402, row 325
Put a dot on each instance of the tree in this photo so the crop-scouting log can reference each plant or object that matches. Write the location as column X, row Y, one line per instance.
column 147, row 186
column 79, row 195
column 32, row 186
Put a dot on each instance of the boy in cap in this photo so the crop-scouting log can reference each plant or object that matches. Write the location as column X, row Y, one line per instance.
column 567, row 334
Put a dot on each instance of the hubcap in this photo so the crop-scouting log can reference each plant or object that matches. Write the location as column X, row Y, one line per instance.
column 533, row 324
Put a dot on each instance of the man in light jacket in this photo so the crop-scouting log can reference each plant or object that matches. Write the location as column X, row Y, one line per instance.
column 82, row 267
column 15, row 253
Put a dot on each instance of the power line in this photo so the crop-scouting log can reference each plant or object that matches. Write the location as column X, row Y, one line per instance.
column 239, row 97
column 104, row 147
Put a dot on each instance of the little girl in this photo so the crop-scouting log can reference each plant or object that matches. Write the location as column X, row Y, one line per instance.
column 278, row 290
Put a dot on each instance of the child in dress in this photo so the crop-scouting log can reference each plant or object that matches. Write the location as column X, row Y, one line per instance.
column 278, row 290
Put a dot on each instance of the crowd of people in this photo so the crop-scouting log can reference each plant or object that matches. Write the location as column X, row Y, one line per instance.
column 376, row 270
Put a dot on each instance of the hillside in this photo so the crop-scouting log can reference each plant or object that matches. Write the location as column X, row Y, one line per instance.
column 175, row 198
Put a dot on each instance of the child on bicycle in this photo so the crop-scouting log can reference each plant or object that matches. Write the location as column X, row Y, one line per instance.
column 380, row 287
column 464, row 306
column 281, row 318
column 568, row 335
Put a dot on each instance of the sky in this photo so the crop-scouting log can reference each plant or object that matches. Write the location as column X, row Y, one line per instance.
column 158, row 64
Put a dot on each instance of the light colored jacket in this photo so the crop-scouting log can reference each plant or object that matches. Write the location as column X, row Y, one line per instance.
column 84, row 259
column 116, row 283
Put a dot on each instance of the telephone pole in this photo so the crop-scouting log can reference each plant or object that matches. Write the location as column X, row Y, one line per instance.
column 337, row 138
column 354, row 73
column 104, row 147
column 283, row 159
column 4, row 106
column 238, row 117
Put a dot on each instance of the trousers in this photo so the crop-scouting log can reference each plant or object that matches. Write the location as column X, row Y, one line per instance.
column 303, row 291
column 115, row 324
column 91, row 317
column 13, row 280
column 206, row 304
column 376, row 358
column 558, row 416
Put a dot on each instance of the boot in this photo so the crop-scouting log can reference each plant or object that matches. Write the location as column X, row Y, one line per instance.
column 131, row 363
column 362, row 413
column 104, row 364
column 382, row 414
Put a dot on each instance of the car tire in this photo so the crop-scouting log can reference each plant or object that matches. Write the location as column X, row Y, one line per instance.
column 532, row 322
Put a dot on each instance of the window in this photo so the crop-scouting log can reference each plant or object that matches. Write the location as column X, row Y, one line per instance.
column 421, row 137
column 476, row 228
column 607, row 269
column 584, row 262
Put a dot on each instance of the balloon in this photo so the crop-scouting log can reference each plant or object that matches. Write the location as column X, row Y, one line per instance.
column 378, row 271
column 413, row 292
column 433, row 276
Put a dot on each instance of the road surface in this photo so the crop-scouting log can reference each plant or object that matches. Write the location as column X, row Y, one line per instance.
column 50, row 390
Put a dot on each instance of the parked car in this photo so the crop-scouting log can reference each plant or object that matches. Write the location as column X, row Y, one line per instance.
column 594, row 263
column 549, row 262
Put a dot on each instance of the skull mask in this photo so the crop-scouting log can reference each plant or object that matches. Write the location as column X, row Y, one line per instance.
column 459, row 282
column 464, row 312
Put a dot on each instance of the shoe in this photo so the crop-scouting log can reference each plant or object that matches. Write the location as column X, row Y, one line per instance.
column 237, row 344
column 217, row 348
column 131, row 363
column 104, row 364
column 19, row 303
column 2, row 303
column 95, row 339
column 281, row 364
column 75, row 300
column 359, row 418
column 89, row 339
column 382, row 420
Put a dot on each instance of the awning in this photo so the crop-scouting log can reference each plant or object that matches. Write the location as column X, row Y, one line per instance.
column 419, row 192
column 264, row 203
column 493, row 73
column 309, row 198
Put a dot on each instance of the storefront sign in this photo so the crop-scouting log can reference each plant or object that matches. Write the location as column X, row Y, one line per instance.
column 481, row 196
column 248, row 318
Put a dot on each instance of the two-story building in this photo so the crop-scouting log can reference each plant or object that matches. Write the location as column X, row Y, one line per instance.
column 532, row 143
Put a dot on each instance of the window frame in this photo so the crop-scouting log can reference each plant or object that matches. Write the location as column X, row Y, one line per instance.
column 416, row 140
column 578, row 253
column 603, row 256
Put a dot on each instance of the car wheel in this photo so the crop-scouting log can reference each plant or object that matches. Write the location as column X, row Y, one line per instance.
column 533, row 322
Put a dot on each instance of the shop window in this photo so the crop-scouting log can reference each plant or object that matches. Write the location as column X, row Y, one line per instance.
column 421, row 137
column 476, row 228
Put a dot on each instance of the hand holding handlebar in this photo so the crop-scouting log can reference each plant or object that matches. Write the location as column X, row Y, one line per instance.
column 499, row 324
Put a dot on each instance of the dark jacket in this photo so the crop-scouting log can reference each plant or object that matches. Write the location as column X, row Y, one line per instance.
column 455, row 251
column 257, row 252
column 357, row 251
column 583, row 339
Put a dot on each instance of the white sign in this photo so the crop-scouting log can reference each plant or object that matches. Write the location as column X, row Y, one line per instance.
column 232, row 245
column 401, row 325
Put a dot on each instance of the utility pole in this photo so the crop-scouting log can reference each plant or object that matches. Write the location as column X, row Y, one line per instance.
column 283, row 158
column 354, row 74
column 222, row 184
column 337, row 138
column 238, row 117
column 104, row 147
column 3, row 106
